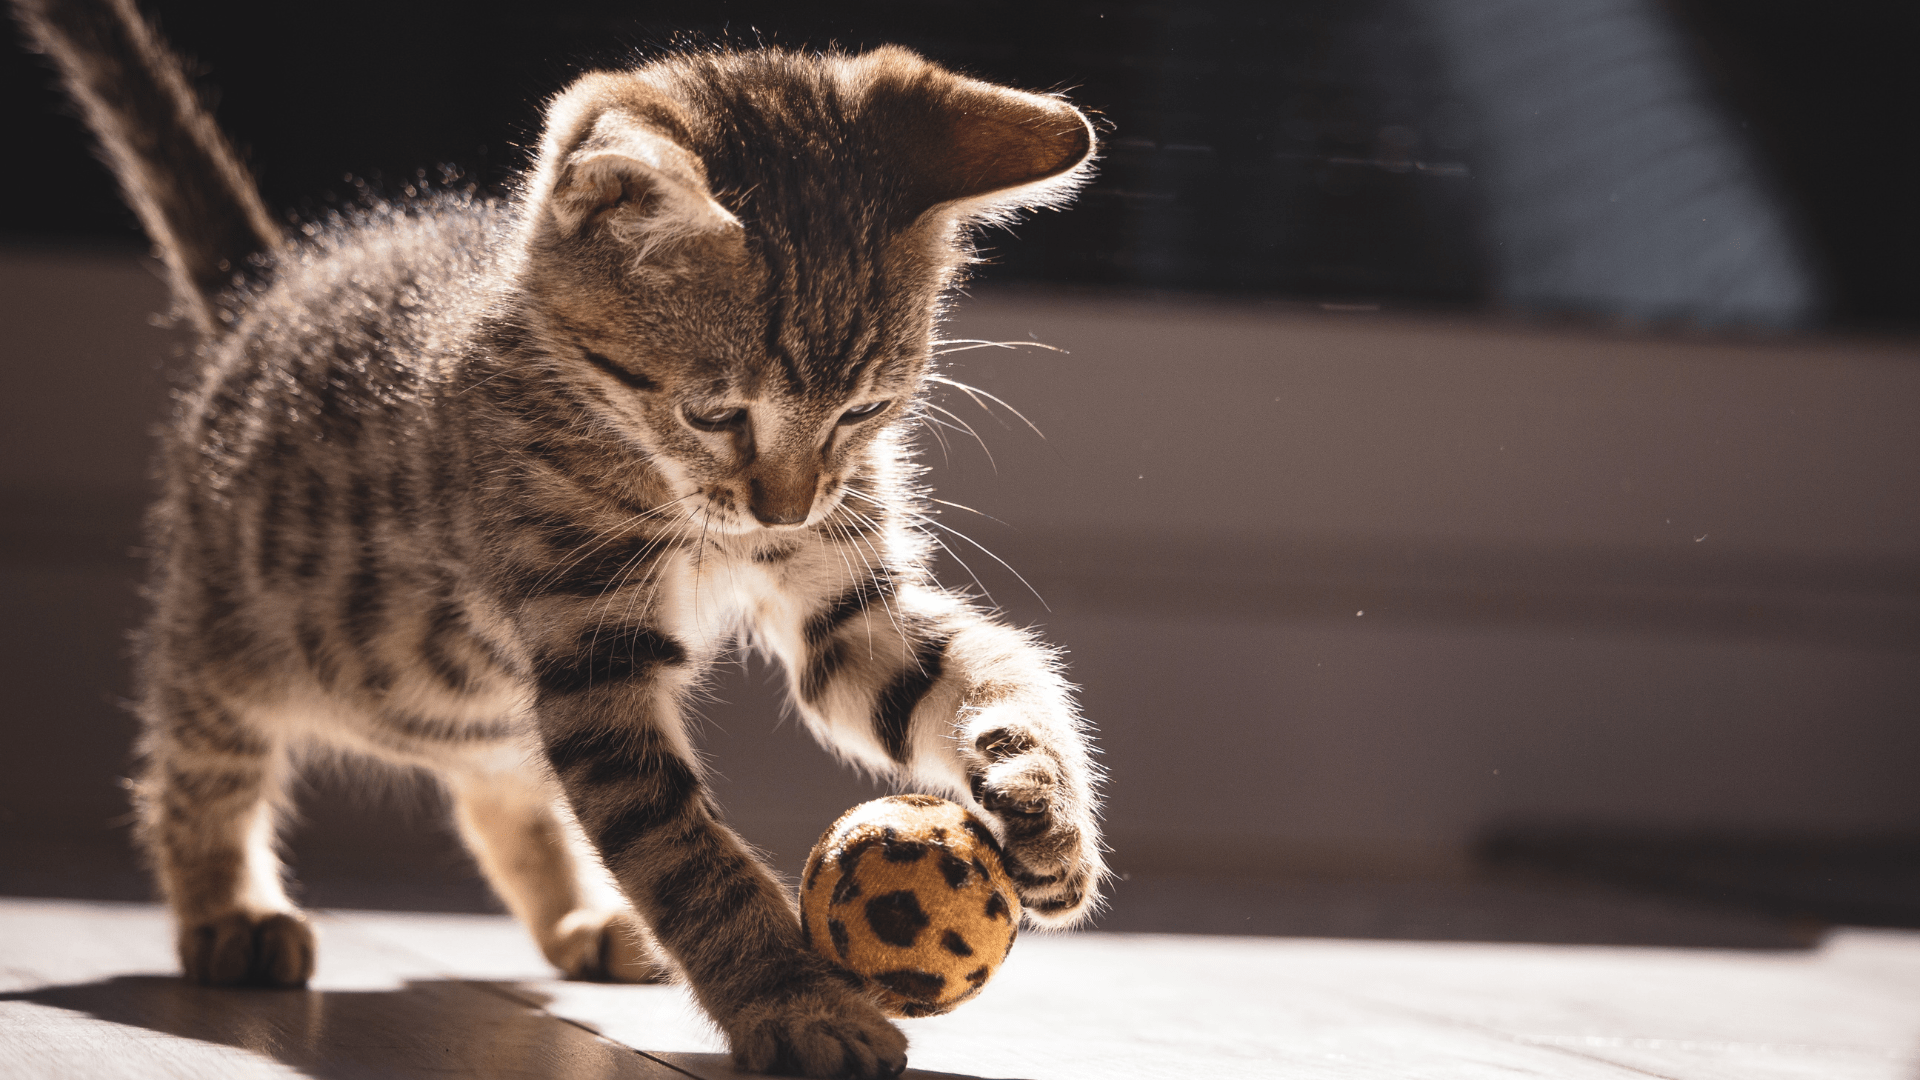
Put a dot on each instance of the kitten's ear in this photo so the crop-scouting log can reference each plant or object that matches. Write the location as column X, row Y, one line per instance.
column 628, row 175
column 1008, row 148
column 984, row 147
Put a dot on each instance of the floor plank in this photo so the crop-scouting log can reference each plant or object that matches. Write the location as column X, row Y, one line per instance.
column 87, row 990
column 1104, row 1006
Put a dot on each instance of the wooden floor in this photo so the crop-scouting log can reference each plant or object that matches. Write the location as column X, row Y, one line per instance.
column 86, row 991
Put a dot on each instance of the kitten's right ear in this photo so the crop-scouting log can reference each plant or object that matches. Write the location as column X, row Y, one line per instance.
column 608, row 167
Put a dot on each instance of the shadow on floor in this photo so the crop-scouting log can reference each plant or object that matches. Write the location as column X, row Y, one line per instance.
column 424, row 1028
column 714, row 1066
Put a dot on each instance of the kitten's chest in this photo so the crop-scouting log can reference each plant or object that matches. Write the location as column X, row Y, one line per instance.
column 716, row 594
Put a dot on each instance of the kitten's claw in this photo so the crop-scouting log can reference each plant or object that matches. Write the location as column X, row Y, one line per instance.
column 241, row 949
column 823, row 1030
column 1047, row 849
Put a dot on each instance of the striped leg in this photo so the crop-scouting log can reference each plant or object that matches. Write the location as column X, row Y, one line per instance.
column 540, row 866
column 208, row 797
column 912, row 679
column 609, row 716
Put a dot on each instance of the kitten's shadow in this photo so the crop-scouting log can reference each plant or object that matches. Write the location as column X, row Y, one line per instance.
column 427, row 1027
column 720, row 1067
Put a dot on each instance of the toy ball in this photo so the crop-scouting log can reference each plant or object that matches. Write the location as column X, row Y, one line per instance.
column 908, row 893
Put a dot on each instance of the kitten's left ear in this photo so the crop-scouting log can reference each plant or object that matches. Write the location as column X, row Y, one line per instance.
column 979, row 148
column 1008, row 148
column 602, row 165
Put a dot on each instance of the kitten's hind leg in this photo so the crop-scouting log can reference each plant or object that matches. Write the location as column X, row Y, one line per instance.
column 544, row 871
column 208, row 797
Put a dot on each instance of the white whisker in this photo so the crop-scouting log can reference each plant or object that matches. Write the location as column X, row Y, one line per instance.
column 969, row 344
column 946, row 452
column 968, row 509
column 976, row 394
column 969, row 430
column 875, row 567
column 929, row 519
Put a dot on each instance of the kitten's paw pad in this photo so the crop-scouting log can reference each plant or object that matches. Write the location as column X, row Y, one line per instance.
column 821, row 1033
column 242, row 949
column 601, row 946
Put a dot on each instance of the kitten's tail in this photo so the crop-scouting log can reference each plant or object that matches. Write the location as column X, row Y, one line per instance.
column 197, row 201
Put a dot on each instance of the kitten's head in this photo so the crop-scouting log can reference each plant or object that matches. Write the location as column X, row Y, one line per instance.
column 733, row 262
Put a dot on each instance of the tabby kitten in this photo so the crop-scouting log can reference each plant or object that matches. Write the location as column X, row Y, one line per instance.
column 484, row 488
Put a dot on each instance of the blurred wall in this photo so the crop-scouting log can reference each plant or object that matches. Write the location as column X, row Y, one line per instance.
column 1341, row 588
column 1608, row 579
column 83, row 370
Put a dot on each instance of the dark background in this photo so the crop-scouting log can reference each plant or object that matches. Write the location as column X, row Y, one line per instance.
column 1370, row 310
column 1318, row 148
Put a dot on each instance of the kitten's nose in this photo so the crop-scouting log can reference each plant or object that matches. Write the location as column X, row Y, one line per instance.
column 786, row 503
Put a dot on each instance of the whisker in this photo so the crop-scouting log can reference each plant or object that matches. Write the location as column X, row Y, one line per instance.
column 841, row 532
column 968, row 344
column 610, row 592
column 899, row 624
column 976, row 393
column 928, row 422
column 648, row 576
column 936, row 422
column 699, row 560
column 989, row 554
column 968, row 509
column 969, row 430
column 936, row 523
column 954, row 555
column 606, row 537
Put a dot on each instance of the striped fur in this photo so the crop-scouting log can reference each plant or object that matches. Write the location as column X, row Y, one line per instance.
column 485, row 488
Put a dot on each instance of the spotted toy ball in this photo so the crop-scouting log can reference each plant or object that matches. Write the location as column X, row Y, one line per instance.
column 908, row 893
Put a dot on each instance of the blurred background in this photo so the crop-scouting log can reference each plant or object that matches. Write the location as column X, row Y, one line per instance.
column 1479, row 494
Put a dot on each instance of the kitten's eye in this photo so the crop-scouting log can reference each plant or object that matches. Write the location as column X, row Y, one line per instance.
column 716, row 419
column 861, row 412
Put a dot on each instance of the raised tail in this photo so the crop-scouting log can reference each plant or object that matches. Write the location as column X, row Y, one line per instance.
column 197, row 201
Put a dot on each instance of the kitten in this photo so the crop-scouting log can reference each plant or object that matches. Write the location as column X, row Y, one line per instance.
column 484, row 487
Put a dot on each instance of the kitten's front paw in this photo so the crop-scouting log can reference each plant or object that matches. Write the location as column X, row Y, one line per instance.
column 240, row 949
column 821, row 1028
column 1050, row 847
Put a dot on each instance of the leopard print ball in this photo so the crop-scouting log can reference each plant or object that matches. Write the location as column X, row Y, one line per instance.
column 908, row 892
